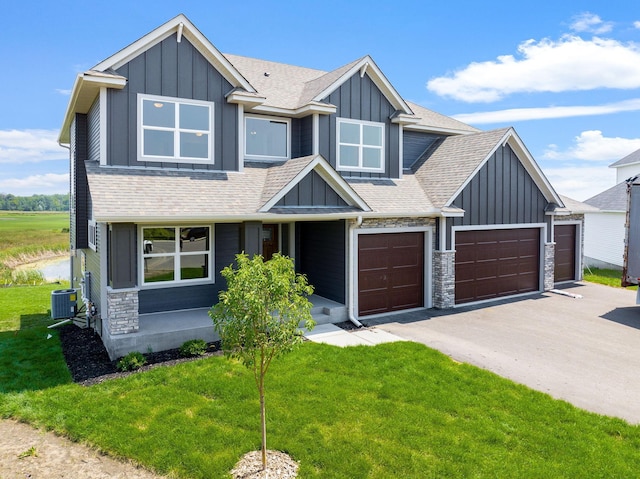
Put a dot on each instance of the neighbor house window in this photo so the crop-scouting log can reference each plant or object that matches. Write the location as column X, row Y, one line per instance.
column 93, row 235
column 360, row 145
column 175, row 254
column 175, row 130
column 266, row 138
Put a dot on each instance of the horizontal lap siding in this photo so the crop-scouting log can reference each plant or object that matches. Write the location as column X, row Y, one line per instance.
column 175, row 70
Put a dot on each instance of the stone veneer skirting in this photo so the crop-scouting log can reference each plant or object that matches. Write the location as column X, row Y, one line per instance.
column 549, row 265
column 444, row 279
column 122, row 310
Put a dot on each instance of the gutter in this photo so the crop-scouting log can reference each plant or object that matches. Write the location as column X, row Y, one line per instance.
column 350, row 299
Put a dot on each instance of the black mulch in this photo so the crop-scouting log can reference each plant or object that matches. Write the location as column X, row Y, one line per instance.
column 89, row 363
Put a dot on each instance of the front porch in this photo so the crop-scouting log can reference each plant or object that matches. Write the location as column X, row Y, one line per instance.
column 170, row 329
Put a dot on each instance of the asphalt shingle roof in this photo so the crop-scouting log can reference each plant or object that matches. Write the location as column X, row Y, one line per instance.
column 444, row 168
column 431, row 118
column 613, row 199
column 627, row 160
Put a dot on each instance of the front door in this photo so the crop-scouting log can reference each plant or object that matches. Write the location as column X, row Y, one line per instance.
column 269, row 241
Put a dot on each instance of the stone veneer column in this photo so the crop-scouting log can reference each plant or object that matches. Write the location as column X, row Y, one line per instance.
column 444, row 279
column 549, row 265
column 122, row 310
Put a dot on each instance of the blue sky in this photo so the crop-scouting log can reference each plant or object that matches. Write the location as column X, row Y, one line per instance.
column 566, row 77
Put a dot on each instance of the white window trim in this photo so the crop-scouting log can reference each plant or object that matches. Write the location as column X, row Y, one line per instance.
column 287, row 121
column 176, row 130
column 176, row 256
column 92, row 235
column 361, row 123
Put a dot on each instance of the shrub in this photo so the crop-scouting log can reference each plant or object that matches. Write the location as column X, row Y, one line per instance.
column 193, row 347
column 132, row 361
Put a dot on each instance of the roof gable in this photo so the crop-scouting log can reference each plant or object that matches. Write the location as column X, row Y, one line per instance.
column 282, row 179
column 182, row 27
column 450, row 165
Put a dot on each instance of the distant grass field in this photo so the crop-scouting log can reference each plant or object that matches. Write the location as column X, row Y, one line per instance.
column 27, row 237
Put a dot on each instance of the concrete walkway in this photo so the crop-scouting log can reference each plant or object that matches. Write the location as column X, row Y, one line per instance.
column 336, row 336
column 583, row 350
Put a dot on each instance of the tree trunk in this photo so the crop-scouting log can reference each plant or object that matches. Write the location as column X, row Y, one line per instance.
column 263, row 421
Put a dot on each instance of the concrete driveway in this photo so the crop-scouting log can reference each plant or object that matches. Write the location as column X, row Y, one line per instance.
column 585, row 351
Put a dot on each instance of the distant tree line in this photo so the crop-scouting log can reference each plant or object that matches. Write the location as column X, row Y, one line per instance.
column 9, row 202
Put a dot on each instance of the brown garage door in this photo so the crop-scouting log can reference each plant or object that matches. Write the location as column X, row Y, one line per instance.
column 495, row 263
column 390, row 272
column 565, row 254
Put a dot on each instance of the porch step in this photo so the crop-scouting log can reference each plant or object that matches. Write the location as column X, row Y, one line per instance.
column 326, row 311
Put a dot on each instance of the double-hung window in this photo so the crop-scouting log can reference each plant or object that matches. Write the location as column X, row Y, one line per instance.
column 266, row 138
column 175, row 254
column 175, row 130
column 360, row 145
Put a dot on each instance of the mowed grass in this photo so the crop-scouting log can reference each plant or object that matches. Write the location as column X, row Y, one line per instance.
column 28, row 232
column 398, row 410
column 28, row 360
column 608, row 277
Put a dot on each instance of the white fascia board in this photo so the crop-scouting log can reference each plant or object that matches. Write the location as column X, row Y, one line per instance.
column 246, row 99
column 533, row 169
column 189, row 31
column 512, row 139
column 328, row 174
column 378, row 78
column 85, row 90
column 310, row 108
column 435, row 129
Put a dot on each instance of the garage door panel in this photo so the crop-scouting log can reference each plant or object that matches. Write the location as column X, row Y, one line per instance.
column 390, row 272
column 496, row 263
column 565, row 252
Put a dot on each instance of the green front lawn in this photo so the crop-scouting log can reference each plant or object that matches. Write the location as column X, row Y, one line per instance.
column 608, row 277
column 395, row 410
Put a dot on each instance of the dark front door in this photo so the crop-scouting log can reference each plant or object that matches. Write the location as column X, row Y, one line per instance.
column 390, row 272
column 495, row 263
column 269, row 241
column 565, row 253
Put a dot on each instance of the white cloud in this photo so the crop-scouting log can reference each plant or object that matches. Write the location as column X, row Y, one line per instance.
column 580, row 182
column 569, row 64
column 544, row 113
column 590, row 22
column 45, row 184
column 29, row 146
column 62, row 91
column 591, row 145
column 636, row 24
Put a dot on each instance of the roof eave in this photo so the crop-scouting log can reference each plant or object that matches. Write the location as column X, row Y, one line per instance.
column 85, row 90
column 435, row 129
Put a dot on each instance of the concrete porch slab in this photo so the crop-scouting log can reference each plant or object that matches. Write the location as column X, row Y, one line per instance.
column 336, row 336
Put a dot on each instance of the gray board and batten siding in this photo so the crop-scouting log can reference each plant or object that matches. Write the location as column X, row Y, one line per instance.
column 502, row 192
column 177, row 70
column 415, row 144
column 360, row 99
column 312, row 191
column 321, row 250
column 79, row 206
column 123, row 270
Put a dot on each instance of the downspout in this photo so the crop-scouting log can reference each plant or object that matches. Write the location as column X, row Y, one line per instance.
column 351, row 301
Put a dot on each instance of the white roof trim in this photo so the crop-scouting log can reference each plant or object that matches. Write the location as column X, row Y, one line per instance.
column 311, row 107
column 435, row 129
column 189, row 31
column 378, row 78
column 512, row 139
column 328, row 174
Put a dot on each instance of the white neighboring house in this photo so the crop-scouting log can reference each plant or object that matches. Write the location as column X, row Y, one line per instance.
column 604, row 228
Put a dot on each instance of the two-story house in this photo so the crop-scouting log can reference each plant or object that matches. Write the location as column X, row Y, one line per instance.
column 182, row 157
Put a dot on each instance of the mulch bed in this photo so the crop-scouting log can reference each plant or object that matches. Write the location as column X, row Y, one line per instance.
column 89, row 363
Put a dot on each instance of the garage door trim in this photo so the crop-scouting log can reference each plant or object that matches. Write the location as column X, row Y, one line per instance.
column 428, row 253
column 543, row 236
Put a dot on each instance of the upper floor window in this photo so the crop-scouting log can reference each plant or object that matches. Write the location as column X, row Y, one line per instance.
column 266, row 138
column 360, row 145
column 175, row 129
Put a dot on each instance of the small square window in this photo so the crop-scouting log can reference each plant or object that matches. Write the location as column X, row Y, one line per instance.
column 266, row 138
column 360, row 145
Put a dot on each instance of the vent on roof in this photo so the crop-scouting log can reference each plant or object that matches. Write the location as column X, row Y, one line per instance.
column 267, row 74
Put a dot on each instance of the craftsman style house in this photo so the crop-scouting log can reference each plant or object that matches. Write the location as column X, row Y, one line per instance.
column 182, row 156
